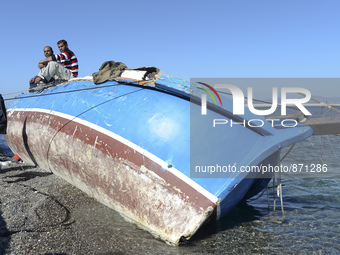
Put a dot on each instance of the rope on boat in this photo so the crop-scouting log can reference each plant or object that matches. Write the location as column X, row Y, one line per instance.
column 56, row 93
column 314, row 148
column 279, row 193
column 287, row 152
column 330, row 144
column 322, row 149
column 16, row 92
column 278, row 187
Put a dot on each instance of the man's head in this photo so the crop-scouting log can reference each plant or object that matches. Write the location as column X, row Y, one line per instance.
column 48, row 51
column 62, row 45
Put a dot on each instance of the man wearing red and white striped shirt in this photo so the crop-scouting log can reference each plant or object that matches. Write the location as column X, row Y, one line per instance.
column 63, row 66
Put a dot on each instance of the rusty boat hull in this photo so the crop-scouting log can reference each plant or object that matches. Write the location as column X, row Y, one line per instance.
column 128, row 146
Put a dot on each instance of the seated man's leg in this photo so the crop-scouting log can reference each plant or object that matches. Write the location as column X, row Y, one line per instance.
column 54, row 69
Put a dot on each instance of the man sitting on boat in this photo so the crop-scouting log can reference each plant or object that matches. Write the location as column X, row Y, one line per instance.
column 48, row 51
column 62, row 67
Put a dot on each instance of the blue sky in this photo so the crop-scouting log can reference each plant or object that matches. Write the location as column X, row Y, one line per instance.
column 240, row 38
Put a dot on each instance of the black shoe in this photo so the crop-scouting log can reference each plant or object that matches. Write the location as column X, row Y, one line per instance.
column 33, row 85
column 41, row 87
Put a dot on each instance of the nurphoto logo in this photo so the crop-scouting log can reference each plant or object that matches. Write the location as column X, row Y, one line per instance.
column 239, row 99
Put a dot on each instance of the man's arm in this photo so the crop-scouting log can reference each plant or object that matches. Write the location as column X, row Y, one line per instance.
column 45, row 61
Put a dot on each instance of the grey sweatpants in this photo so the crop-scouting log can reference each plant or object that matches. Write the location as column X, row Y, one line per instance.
column 56, row 71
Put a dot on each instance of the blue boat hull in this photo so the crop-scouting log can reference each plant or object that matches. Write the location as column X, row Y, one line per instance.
column 128, row 146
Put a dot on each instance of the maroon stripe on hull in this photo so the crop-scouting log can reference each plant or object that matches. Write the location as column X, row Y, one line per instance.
column 110, row 171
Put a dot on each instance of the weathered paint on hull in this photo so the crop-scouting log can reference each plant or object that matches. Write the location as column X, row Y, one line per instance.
column 130, row 148
column 111, row 171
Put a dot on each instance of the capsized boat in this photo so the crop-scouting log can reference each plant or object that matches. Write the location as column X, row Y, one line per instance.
column 128, row 144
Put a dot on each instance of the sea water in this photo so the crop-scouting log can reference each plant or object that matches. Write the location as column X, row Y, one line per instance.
column 311, row 203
